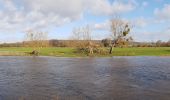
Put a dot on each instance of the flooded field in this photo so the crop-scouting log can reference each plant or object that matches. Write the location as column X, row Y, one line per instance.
column 116, row 78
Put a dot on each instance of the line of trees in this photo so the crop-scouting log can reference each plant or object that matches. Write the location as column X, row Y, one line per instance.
column 82, row 39
column 160, row 43
column 100, row 43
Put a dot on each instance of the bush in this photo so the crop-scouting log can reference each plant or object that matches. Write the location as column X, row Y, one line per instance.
column 106, row 42
column 100, row 51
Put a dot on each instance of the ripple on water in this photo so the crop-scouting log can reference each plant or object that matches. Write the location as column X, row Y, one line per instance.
column 119, row 78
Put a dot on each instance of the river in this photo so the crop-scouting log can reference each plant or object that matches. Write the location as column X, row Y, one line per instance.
column 114, row 78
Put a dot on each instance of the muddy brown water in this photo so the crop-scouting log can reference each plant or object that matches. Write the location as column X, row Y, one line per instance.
column 115, row 78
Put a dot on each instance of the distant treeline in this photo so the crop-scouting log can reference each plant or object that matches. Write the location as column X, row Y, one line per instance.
column 100, row 43
column 51, row 43
column 152, row 44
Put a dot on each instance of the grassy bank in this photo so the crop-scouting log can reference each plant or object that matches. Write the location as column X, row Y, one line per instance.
column 71, row 52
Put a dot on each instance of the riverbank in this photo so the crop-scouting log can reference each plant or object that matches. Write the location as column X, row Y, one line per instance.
column 71, row 52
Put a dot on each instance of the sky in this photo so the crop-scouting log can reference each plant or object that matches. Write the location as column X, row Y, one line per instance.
column 150, row 18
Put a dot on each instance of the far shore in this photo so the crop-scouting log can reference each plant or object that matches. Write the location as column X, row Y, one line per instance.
column 71, row 52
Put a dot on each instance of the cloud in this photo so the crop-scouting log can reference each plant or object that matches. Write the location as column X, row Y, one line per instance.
column 119, row 7
column 159, row 1
column 97, row 7
column 20, row 15
column 152, row 35
column 141, row 22
column 104, row 7
column 145, row 4
column 36, row 14
column 163, row 14
column 102, row 26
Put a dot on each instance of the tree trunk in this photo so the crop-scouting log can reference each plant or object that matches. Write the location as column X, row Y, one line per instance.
column 91, row 50
column 111, row 47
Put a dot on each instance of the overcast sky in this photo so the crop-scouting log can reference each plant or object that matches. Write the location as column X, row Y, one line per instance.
column 151, row 18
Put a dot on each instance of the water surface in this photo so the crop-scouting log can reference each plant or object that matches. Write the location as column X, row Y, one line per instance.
column 116, row 78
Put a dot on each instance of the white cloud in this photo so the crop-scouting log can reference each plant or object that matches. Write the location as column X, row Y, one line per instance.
column 151, row 36
column 163, row 14
column 104, row 7
column 140, row 22
column 97, row 7
column 119, row 7
column 20, row 15
column 102, row 26
column 145, row 3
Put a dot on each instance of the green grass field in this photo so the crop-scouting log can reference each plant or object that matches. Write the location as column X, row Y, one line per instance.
column 71, row 52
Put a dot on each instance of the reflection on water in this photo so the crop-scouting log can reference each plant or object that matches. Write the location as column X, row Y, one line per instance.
column 117, row 78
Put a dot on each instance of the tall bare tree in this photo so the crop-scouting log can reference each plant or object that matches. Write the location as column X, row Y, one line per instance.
column 119, row 31
column 83, row 37
column 36, row 40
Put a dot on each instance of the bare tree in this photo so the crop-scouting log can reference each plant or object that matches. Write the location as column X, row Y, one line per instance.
column 83, row 37
column 119, row 31
column 42, row 38
column 82, row 33
column 36, row 40
column 75, row 37
column 158, row 43
column 76, row 34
